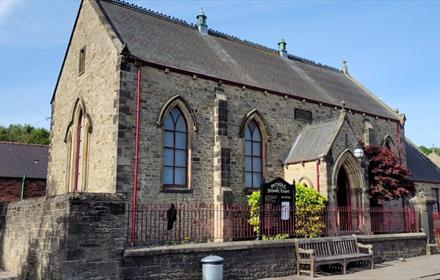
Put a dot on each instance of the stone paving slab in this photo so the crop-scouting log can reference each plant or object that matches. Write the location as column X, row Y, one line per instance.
column 423, row 268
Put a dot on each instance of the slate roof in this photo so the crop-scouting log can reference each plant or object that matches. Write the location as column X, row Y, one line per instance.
column 423, row 170
column 314, row 141
column 17, row 160
column 158, row 39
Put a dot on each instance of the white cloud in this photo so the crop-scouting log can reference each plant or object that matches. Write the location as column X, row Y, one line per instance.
column 6, row 7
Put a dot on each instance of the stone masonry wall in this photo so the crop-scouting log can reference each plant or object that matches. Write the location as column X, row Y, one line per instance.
column 97, row 87
column 389, row 247
column 10, row 189
column 242, row 260
column 158, row 86
column 72, row 236
column 250, row 259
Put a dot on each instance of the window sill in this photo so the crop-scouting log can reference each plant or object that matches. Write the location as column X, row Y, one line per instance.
column 166, row 189
column 250, row 190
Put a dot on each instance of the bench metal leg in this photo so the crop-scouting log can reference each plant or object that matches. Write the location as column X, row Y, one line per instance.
column 372, row 263
column 298, row 268
column 312, row 269
column 344, row 267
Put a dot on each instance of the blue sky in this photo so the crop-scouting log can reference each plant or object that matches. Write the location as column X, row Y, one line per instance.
column 392, row 47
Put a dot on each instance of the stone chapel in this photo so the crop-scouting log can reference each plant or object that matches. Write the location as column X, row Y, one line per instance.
column 167, row 111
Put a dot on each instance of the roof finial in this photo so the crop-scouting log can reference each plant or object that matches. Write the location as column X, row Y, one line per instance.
column 201, row 22
column 282, row 50
column 344, row 67
column 343, row 106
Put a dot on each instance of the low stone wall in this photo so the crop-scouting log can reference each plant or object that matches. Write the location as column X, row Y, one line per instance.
column 82, row 236
column 243, row 260
column 72, row 236
column 394, row 246
column 249, row 259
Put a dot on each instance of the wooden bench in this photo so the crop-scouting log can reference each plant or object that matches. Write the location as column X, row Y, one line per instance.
column 330, row 250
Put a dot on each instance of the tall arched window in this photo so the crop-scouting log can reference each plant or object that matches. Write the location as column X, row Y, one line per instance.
column 175, row 149
column 79, row 154
column 77, row 139
column 253, row 156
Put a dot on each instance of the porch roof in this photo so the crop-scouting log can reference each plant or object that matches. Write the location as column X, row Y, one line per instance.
column 314, row 141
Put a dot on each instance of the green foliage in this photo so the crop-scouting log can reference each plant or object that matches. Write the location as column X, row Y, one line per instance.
column 427, row 151
column 24, row 134
column 309, row 207
column 253, row 201
column 275, row 237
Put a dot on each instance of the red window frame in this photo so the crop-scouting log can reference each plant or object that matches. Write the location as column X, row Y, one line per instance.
column 174, row 149
column 78, row 149
column 253, row 155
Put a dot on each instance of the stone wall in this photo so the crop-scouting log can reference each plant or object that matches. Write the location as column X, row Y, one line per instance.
column 10, row 189
column 214, row 132
column 82, row 236
column 72, row 236
column 242, row 260
column 250, row 259
column 97, row 88
column 394, row 246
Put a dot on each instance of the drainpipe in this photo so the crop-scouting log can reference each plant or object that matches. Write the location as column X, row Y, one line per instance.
column 318, row 162
column 22, row 187
column 136, row 155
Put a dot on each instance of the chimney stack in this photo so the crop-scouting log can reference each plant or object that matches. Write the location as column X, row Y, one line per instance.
column 201, row 22
column 282, row 50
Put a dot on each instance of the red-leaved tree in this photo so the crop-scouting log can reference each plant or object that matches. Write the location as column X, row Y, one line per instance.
column 389, row 179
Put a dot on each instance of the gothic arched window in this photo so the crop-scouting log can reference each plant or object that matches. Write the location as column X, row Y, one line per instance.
column 369, row 135
column 77, row 139
column 253, row 155
column 79, row 154
column 175, row 149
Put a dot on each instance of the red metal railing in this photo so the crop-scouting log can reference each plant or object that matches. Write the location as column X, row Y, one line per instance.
column 199, row 223
column 394, row 220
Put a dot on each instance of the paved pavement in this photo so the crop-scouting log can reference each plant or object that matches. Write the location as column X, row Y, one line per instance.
column 423, row 268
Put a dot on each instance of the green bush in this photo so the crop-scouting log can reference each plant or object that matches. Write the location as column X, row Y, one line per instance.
column 253, row 201
column 309, row 208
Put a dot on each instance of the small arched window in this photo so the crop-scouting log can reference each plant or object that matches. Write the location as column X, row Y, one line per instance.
column 175, row 149
column 388, row 143
column 253, row 156
column 369, row 135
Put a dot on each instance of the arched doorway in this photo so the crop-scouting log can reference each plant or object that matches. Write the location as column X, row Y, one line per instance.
column 348, row 185
column 343, row 200
column 343, row 192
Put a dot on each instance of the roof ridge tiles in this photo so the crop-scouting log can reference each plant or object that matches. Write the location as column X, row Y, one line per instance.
column 217, row 33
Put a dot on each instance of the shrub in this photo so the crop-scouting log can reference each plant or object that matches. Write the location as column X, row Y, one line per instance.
column 309, row 208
